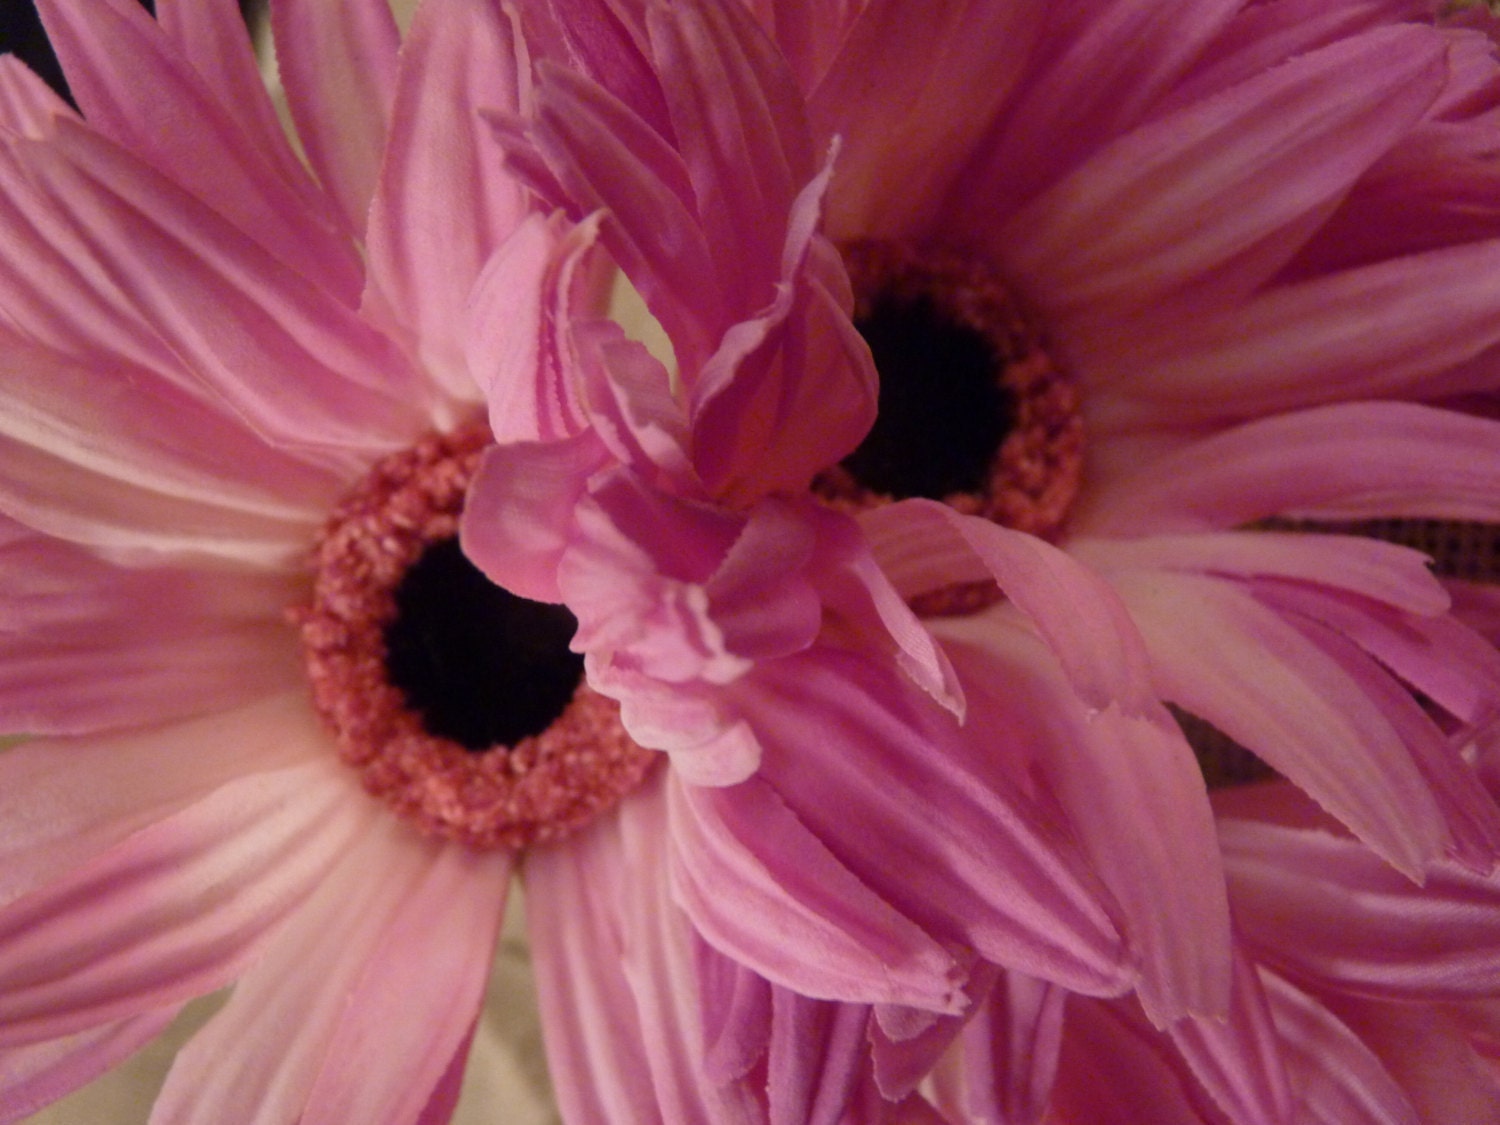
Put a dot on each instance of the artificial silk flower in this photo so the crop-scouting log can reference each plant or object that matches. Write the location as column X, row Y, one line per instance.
column 1147, row 288
column 286, row 738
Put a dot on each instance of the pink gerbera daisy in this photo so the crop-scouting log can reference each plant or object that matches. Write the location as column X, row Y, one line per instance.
column 1148, row 287
column 238, row 419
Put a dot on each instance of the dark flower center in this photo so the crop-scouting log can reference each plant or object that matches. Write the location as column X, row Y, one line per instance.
column 972, row 411
column 482, row 666
column 459, row 703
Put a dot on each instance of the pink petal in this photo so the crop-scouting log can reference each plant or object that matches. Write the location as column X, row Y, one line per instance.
column 911, row 91
column 519, row 318
column 517, row 522
column 1350, row 461
column 1226, row 658
column 606, row 158
column 616, row 975
column 1208, row 183
column 337, row 64
column 1394, row 575
column 64, row 803
column 1326, row 909
column 1077, row 614
column 1120, row 778
column 1361, row 333
column 819, row 930
column 740, row 127
column 298, row 366
column 445, row 201
column 175, row 910
column 1238, row 1060
column 418, row 995
column 1095, row 74
column 813, row 1059
column 281, row 1044
column 1010, row 1053
column 27, row 104
column 136, row 87
column 857, row 755
column 212, row 37
column 36, row 1075
column 1337, row 1079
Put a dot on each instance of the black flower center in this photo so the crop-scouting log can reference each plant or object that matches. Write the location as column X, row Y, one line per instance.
column 482, row 666
column 971, row 409
column 942, row 411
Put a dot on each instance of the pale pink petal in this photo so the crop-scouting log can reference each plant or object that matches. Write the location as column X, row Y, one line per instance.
column 64, row 802
column 137, row 87
column 418, row 994
column 38, row 1074
column 1326, row 909
column 1119, row 777
column 818, row 929
column 616, row 976
column 519, row 315
column 858, row 756
column 911, row 90
column 298, row 366
column 517, row 522
column 445, row 201
column 337, row 63
column 1350, row 461
column 1385, row 572
column 175, row 910
column 1227, row 658
column 1096, row 72
column 633, row 406
column 1206, row 184
column 1078, row 615
column 1336, row 1078
column 259, row 1056
column 27, row 104
column 1394, row 327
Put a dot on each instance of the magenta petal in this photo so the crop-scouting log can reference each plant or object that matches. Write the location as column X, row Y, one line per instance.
column 27, row 104
column 856, row 754
column 1325, row 908
column 1120, row 777
column 1078, row 615
column 36, row 1075
column 1010, row 1052
column 1227, row 658
column 337, row 63
column 818, row 929
column 1337, row 1078
column 814, row 1058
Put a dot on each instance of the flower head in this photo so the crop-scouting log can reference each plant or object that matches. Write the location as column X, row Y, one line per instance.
column 1251, row 243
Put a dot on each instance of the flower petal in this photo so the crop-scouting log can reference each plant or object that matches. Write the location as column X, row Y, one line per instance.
column 65, row 802
column 137, row 87
column 1350, row 461
column 1009, row 1054
column 337, row 63
column 818, row 930
column 175, row 910
column 1324, row 908
column 445, row 201
column 1208, row 183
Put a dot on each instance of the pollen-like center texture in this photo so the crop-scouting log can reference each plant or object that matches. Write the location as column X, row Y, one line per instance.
column 972, row 409
column 460, row 704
